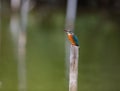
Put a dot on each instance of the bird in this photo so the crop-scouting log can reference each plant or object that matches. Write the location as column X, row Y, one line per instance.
column 72, row 38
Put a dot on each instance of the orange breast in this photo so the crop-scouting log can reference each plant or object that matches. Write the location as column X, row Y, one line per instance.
column 70, row 37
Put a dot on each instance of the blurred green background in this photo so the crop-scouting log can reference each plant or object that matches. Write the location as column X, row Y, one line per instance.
column 98, row 31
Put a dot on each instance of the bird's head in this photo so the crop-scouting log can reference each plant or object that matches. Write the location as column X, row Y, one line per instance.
column 68, row 32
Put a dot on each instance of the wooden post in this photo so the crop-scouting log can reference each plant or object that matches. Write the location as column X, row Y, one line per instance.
column 70, row 19
column 73, row 75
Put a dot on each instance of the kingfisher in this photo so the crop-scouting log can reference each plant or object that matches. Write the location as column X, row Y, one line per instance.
column 72, row 38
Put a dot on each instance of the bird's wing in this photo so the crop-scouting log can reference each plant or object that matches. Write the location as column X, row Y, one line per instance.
column 76, row 40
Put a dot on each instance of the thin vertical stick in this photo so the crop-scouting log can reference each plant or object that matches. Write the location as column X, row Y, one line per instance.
column 21, row 62
column 24, row 14
column 70, row 19
column 22, row 46
column 73, row 75
column 19, row 41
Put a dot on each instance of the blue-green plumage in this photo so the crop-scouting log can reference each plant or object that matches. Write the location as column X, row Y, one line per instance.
column 76, row 40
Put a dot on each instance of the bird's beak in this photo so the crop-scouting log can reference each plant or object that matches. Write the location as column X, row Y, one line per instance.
column 65, row 30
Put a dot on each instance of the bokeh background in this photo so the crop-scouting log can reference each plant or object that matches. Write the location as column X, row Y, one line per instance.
column 97, row 26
